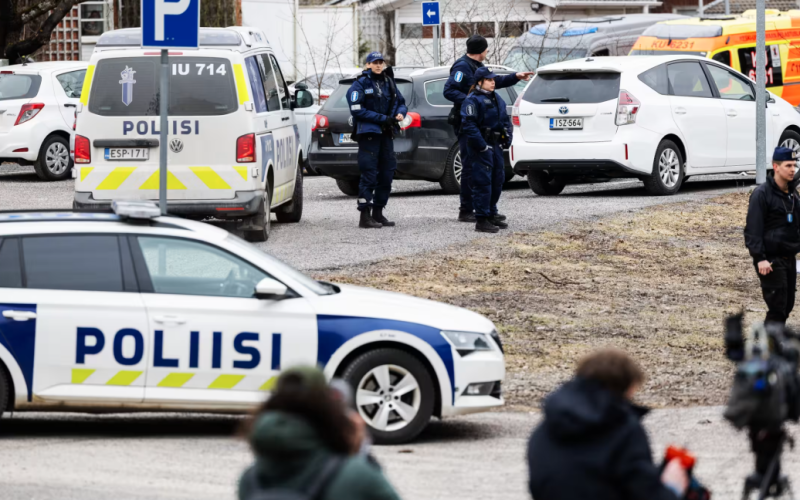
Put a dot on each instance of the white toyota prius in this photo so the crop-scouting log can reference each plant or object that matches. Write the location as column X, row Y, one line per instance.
column 164, row 314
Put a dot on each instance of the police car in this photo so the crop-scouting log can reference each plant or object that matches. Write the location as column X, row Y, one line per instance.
column 166, row 314
column 234, row 148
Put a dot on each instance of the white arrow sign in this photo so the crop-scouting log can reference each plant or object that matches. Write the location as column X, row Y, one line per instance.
column 431, row 13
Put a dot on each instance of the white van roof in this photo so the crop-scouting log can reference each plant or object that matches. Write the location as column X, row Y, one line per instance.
column 238, row 38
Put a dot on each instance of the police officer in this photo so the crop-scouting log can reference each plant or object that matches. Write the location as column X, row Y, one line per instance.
column 772, row 235
column 377, row 108
column 462, row 78
column 487, row 129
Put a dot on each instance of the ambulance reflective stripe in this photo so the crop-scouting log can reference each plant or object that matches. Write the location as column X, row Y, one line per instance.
column 241, row 84
column 87, row 85
column 19, row 339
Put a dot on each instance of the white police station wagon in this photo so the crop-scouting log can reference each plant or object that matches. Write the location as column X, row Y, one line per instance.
column 234, row 148
column 165, row 314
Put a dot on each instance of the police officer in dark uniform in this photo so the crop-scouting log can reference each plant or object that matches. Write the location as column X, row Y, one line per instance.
column 377, row 108
column 487, row 129
column 772, row 235
column 462, row 78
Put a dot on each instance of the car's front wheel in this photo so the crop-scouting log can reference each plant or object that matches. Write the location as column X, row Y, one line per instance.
column 451, row 179
column 54, row 162
column 545, row 184
column 790, row 139
column 348, row 186
column 667, row 175
column 394, row 394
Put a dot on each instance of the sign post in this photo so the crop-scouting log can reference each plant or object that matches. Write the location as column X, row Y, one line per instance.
column 430, row 17
column 167, row 25
column 761, row 95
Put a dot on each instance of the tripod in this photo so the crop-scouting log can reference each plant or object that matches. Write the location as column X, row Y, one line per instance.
column 768, row 447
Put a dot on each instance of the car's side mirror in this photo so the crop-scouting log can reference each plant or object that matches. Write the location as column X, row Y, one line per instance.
column 301, row 86
column 269, row 288
column 302, row 99
column 770, row 99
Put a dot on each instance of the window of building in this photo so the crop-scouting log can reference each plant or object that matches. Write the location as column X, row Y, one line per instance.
column 466, row 30
column 415, row 31
column 512, row 29
column 93, row 18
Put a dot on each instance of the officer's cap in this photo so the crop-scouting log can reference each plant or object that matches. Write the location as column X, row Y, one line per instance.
column 374, row 56
column 484, row 72
column 784, row 154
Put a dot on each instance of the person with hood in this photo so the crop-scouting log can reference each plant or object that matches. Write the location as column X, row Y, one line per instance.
column 772, row 235
column 377, row 108
column 592, row 445
column 306, row 441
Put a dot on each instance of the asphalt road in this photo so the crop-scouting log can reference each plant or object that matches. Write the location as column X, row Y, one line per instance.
column 82, row 457
column 329, row 237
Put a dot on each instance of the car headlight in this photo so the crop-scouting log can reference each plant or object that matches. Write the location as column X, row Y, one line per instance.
column 468, row 342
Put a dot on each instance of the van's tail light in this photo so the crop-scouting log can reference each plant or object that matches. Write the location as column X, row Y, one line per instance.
column 320, row 121
column 515, row 112
column 627, row 108
column 83, row 150
column 27, row 112
column 246, row 149
column 412, row 120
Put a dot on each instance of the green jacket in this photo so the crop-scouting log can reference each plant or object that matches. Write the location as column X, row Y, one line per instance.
column 289, row 455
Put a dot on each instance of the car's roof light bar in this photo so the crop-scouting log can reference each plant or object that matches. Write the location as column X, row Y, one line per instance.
column 136, row 209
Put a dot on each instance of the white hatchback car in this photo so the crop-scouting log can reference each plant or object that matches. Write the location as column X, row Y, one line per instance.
column 660, row 119
column 37, row 115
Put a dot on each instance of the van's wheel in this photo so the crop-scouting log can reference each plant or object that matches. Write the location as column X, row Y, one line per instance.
column 53, row 163
column 451, row 179
column 348, row 186
column 790, row 139
column 262, row 219
column 545, row 184
column 5, row 390
column 293, row 211
column 394, row 394
column 667, row 175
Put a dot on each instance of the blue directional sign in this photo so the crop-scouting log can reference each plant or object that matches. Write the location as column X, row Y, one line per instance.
column 430, row 13
column 170, row 24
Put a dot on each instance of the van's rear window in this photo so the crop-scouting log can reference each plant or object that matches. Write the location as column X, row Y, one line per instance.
column 554, row 88
column 198, row 86
column 19, row 86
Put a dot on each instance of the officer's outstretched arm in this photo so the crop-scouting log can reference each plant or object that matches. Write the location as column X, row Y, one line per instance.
column 470, row 126
column 504, row 81
column 754, row 227
column 355, row 98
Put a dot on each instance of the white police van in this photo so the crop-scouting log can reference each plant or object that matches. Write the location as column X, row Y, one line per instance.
column 167, row 314
column 234, row 148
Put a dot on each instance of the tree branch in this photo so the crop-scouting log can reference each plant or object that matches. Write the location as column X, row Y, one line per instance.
column 42, row 36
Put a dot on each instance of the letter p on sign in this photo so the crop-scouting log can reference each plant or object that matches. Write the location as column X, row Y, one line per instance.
column 170, row 24
column 164, row 9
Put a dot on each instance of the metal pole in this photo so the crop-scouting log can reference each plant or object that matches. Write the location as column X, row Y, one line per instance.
column 436, row 45
column 700, row 7
column 162, row 146
column 727, row 7
column 761, row 95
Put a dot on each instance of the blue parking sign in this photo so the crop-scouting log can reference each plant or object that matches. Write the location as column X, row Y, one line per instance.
column 430, row 13
column 170, row 24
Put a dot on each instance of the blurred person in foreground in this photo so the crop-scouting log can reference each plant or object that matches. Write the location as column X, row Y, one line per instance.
column 308, row 442
column 592, row 445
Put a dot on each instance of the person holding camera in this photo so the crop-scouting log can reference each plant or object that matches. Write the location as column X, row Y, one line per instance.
column 487, row 129
column 772, row 235
column 377, row 107
column 591, row 443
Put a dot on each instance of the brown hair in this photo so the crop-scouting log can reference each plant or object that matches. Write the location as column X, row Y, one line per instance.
column 475, row 85
column 611, row 368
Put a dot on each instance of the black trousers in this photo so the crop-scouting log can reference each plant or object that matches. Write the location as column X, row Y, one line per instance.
column 778, row 288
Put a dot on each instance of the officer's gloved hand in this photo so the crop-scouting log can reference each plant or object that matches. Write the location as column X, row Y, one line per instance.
column 487, row 148
column 390, row 120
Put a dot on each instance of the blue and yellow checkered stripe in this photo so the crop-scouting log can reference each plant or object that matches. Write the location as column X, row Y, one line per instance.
column 175, row 380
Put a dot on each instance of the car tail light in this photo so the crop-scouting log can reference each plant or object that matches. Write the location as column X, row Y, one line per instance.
column 515, row 112
column 627, row 108
column 322, row 97
column 246, row 149
column 83, row 151
column 412, row 120
column 27, row 112
column 6, row 72
column 320, row 121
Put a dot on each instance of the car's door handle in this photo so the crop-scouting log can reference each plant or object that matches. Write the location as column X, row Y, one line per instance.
column 680, row 111
column 19, row 315
column 526, row 114
column 732, row 113
column 169, row 319
column 70, row 105
column 285, row 119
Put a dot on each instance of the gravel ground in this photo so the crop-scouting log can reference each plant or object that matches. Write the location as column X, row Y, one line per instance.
column 328, row 236
column 160, row 457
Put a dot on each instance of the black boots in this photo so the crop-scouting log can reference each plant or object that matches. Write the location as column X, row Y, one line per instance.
column 498, row 221
column 485, row 226
column 464, row 216
column 377, row 216
column 367, row 221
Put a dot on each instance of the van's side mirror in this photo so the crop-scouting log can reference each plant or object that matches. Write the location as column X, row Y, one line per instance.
column 302, row 99
column 269, row 288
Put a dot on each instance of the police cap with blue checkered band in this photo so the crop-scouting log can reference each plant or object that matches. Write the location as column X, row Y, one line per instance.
column 374, row 56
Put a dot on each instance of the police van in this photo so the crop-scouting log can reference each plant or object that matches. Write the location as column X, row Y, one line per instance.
column 169, row 314
column 234, row 148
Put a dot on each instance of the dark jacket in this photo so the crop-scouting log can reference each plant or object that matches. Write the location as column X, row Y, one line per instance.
column 462, row 78
column 372, row 99
column 481, row 111
column 591, row 445
column 290, row 453
column 768, row 233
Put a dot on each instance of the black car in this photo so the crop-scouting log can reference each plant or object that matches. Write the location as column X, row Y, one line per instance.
column 426, row 148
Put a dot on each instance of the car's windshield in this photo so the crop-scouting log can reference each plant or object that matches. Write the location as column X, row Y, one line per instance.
column 530, row 58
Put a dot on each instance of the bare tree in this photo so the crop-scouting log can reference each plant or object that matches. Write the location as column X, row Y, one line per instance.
column 26, row 25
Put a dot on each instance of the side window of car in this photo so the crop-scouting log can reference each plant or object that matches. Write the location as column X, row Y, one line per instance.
column 687, row 79
column 254, row 75
column 283, row 89
column 185, row 267
column 730, row 86
column 507, row 96
column 72, row 83
column 724, row 57
column 434, row 93
column 270, row 86
column 94, row 262
column 656, row 79
column 10, row 269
